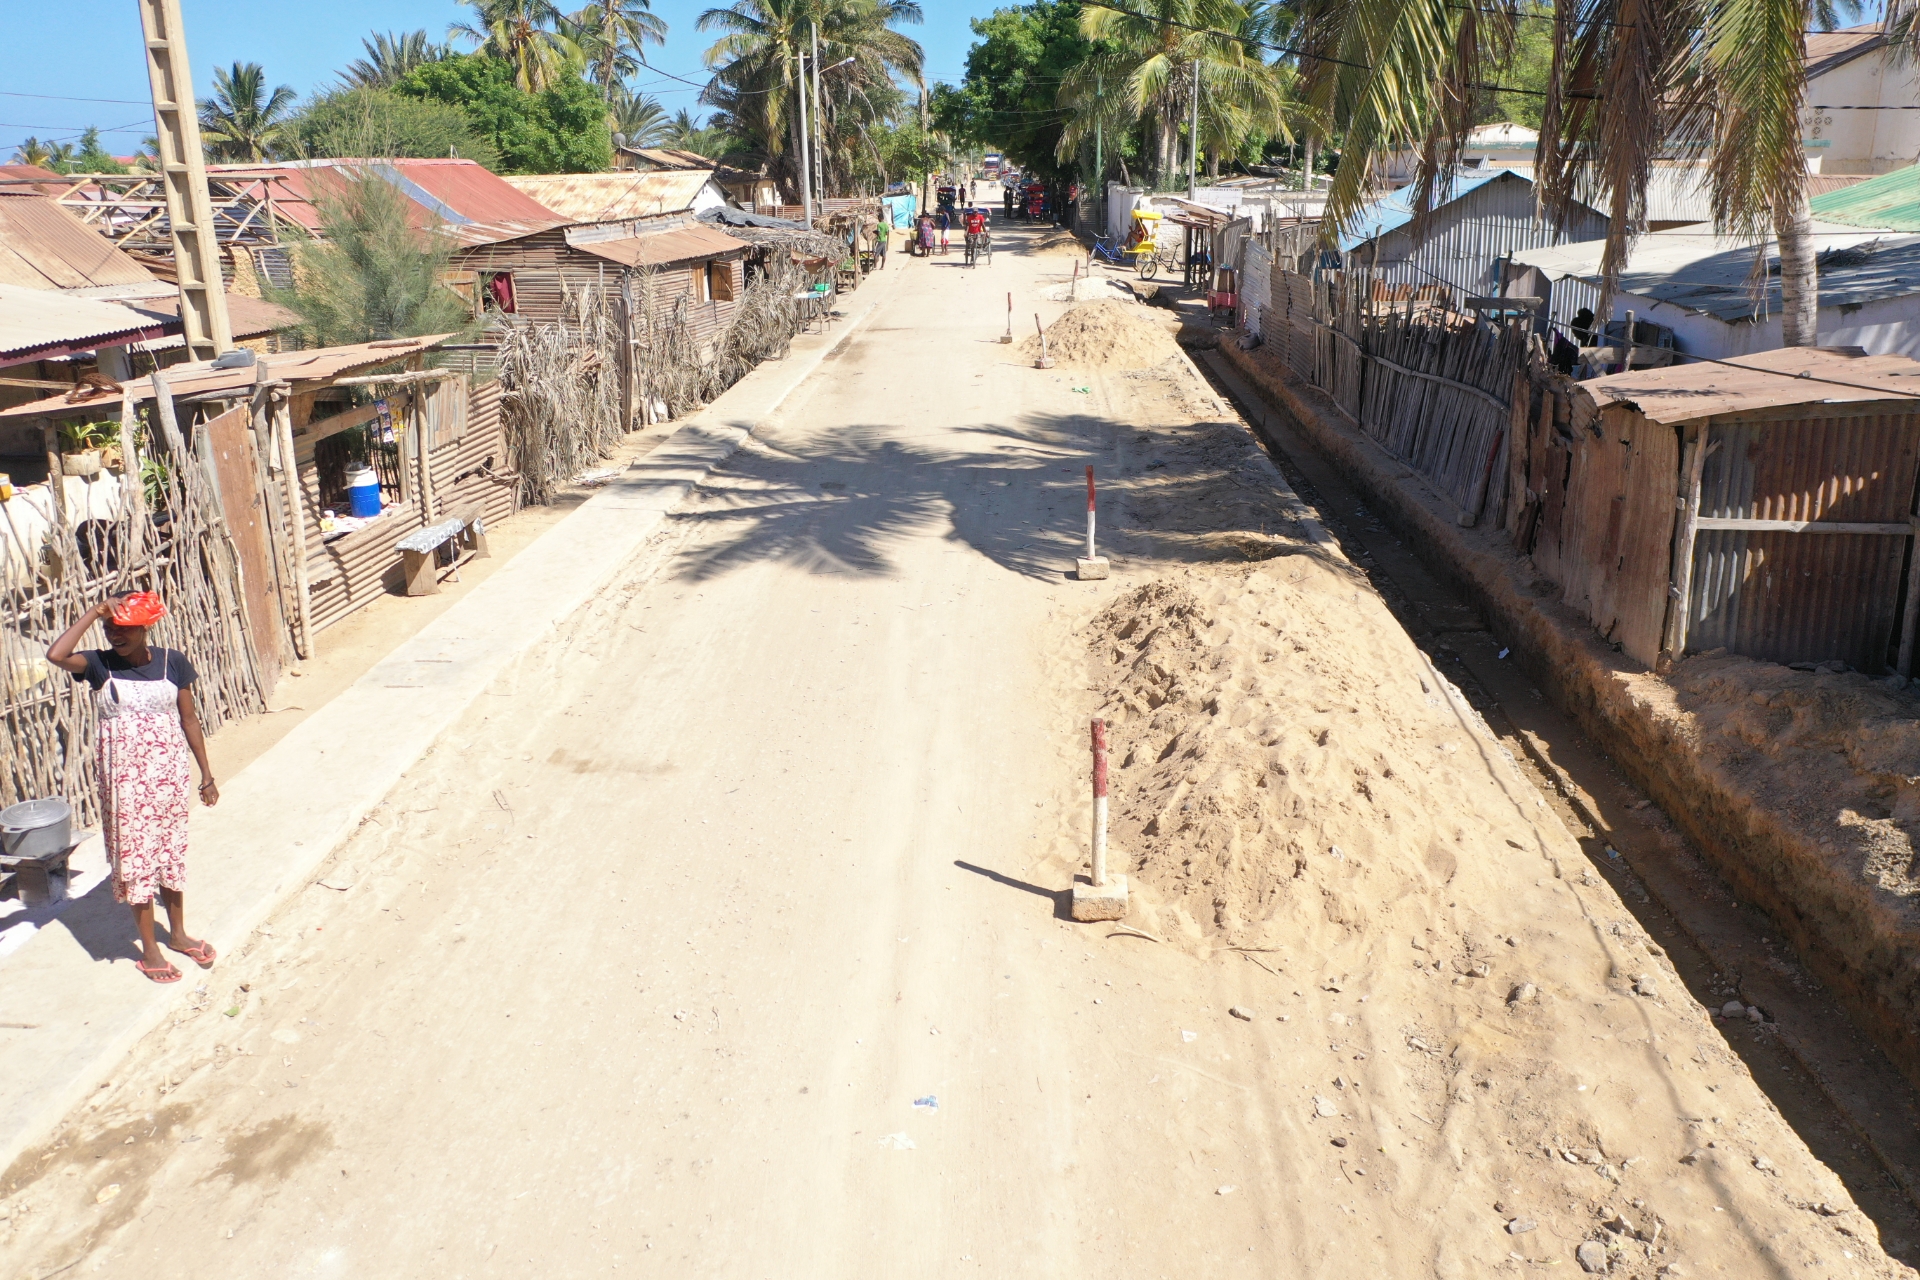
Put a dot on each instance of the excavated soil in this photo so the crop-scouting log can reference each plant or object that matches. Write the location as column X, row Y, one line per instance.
column 1106, row 335
column 1797, row 786
column 1485, row 1034
column 1491, row 1032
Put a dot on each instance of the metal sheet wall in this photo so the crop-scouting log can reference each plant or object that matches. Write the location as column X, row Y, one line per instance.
column 1797, row 597
column 1466, row 237
column 1614, row 556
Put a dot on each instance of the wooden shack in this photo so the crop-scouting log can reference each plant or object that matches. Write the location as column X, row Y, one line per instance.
column 436, row 442
column 1764, row 506
column 531, row 277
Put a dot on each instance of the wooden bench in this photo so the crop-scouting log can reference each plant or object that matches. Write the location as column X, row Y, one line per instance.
column 420, row 550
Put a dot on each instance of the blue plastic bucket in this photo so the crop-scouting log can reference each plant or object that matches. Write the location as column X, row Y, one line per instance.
column 363, row 492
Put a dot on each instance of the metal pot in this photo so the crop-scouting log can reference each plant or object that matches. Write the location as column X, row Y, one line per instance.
column 36, row 828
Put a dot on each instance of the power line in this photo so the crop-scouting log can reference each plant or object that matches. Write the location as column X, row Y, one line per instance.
column 55, row 97
column 1297, row 52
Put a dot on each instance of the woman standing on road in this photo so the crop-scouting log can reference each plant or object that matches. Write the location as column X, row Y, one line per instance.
column 149, row 735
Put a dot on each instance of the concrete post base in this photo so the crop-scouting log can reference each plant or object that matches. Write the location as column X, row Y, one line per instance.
column 1100, row 902
column 1091, row 570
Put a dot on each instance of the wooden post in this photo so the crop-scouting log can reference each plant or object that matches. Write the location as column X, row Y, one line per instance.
column 297, row 523
column 56, row 479
column 1693, row 461
column 1910, row 616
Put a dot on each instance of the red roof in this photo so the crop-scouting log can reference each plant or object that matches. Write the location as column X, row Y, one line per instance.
column 471, row 203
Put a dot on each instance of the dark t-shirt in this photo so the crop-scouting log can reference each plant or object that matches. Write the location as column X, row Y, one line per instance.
column 169, row 664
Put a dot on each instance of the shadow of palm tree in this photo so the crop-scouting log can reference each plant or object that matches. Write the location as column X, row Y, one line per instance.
column 1013, row 493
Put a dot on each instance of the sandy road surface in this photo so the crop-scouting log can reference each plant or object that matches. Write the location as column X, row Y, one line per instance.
column 645, row 968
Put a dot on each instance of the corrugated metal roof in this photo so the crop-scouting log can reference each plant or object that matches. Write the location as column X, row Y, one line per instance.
column 470, row 203
column 45, row 246
column 13, row 174
column 316, row 365
column 249, row 317
column 1770, row 380
column 612, row 197
column 669, row 157
column 1396, row 211
column 37, row 322
column 1702, row 272
column 688, row 243
column 1827, row 50
column 1891, row 200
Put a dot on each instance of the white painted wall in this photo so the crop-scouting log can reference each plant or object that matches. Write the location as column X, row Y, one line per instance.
column 1864, row 141
column 1886, row 328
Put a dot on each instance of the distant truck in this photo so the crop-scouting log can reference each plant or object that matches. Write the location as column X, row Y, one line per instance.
column 990, row 169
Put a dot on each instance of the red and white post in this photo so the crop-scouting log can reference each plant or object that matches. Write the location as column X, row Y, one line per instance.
column 1091, row 568
column 1103, row 897
column 1007, row 337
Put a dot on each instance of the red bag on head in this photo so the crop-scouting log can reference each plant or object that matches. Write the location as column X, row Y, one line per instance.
column 141, row 609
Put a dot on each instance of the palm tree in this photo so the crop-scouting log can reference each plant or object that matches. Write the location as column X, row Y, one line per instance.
column 389, row 58
column 1145, row 69
column 1632, row 81
column 640, row 120
column 524, row 33
column 613, row 35
column 34, row 152
column 243, row 121
column 757, row 79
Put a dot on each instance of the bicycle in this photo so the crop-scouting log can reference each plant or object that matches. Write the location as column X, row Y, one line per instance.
column 978, row 245
column 1146, row 256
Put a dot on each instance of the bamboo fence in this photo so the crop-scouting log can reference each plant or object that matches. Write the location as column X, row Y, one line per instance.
column 179, row 547
column 565, row 386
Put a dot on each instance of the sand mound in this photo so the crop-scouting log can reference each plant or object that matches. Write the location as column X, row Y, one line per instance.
column 1472, row 1010
column 1105, row 335
column 1057, row 242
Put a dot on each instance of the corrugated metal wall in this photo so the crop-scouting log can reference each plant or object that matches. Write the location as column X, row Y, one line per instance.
column 1466, row 237
column 1798, row 597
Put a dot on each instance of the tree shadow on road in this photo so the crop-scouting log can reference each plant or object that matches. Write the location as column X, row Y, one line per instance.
column 1013, row 493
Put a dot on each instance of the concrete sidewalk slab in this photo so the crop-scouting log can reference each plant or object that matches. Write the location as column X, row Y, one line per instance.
column 71, row 1003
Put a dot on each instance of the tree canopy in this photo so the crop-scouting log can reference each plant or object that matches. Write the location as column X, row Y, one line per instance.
column 370, row 122
column 560, row 129
column 1015, row 68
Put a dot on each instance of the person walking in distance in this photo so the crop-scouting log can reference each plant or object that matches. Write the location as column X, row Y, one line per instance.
column 976, row 225
column 148, row 739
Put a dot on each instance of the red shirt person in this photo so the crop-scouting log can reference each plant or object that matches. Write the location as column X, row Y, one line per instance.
column 976, row 222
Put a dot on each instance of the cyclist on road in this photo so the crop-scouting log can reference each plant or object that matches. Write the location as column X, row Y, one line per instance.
column 976, row 227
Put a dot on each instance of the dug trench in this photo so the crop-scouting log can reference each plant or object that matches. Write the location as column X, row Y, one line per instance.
column 1511, row 1026
column 1842, row 1093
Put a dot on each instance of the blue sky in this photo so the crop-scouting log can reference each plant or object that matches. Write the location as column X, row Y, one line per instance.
column 91, row 49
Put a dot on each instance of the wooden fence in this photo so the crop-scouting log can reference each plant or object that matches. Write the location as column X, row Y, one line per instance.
column 1432, row 385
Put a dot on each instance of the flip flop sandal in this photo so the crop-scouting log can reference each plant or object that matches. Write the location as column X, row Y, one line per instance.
column 164, row 973
column 201, row 954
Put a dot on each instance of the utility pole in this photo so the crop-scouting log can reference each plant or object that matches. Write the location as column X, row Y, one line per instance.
column 183, row 165
column 819, row 121
column 806, row 169
column 1099, row 158
column 926, row 139
column 1193, row 139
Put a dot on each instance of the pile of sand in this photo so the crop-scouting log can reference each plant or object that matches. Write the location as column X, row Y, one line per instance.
column 1057, row 242
column 1515, row 1059
column 1106, row 335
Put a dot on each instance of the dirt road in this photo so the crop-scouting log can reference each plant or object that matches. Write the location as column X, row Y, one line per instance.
column 723, row 937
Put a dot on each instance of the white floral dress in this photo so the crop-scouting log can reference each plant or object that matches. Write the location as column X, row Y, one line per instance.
column 146, row 771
